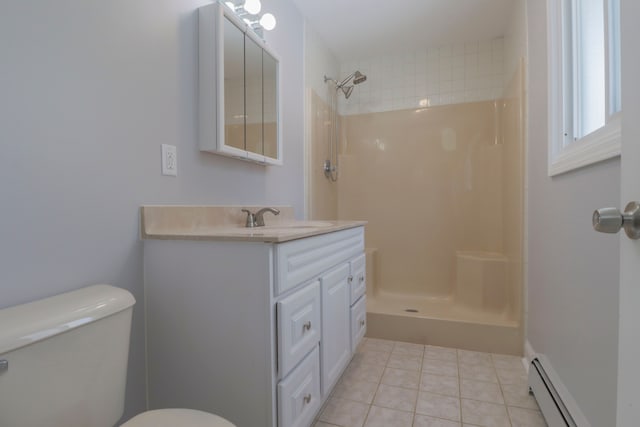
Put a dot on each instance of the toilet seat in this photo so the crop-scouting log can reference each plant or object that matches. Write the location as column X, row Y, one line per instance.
column 177, row 418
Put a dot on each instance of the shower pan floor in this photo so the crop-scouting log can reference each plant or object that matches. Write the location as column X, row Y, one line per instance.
column 442, row 322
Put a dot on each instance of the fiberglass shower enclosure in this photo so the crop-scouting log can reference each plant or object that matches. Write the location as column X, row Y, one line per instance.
column 441, row 188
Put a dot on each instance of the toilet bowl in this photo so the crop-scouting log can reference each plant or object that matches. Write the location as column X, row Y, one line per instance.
column 177, row 418
column 63, row 362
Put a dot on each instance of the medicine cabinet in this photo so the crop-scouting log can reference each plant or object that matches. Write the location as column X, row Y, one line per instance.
column 239, row 102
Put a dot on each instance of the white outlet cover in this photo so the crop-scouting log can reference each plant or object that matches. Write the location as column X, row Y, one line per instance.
column 169, row 160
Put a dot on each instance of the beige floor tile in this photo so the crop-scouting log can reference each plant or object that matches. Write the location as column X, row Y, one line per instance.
column 484, row 414
column 440, row 367
column 402, row 399
column 440, row 353
column 363, row 372
column 426, row 421
column 371, row 357
column 512, row 376
column 521, row 417
column 480, row 390
column 344, row 413
column 378, row 345
column 437, row 405
column 478, row 373
column 440, row 384
column 474, row 358
column 518, row 395
column 385, row 417
column 504, row 361
column 360, row 391
column 406, row 348
column 408, row 362
column 401, row 378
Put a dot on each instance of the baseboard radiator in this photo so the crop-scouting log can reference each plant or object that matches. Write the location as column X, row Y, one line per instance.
column 555, row 402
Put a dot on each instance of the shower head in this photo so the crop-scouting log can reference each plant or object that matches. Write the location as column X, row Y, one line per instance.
column 347, row 91
column 357, row 77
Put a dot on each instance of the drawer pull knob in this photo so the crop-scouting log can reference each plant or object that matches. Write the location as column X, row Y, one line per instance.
column 350, row 279
column 307, row 326
column 361, row 279
column 307, row 398
column 362, row 323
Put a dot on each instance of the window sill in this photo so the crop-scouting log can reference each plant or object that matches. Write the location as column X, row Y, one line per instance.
column 600, row 145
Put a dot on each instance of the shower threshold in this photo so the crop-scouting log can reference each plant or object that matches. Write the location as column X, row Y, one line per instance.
column 443, row 323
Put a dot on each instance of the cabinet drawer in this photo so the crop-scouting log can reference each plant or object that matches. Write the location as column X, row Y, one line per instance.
column 298, row 326
column 358, row 279
column 299, row 393
column 358, row 322
column 300, row 260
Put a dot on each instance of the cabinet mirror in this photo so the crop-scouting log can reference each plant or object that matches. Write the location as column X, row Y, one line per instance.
column 239, row 102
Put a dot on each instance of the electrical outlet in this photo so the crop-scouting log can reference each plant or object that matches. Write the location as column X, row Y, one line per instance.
column 169, row 160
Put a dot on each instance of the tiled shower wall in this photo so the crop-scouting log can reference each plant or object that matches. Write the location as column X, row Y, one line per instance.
column 433, row 76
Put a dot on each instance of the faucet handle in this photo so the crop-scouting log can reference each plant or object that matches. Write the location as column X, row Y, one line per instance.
column 251, row 219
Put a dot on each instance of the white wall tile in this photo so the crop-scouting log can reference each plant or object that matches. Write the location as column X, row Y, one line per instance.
column 444, row 75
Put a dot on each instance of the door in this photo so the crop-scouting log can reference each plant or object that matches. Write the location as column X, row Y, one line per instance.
column 628, row 412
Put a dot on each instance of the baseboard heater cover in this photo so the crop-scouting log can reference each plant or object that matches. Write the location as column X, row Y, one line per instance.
column 557, row 406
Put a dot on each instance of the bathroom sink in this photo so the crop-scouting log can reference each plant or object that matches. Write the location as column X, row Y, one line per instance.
column 283, row 228
column 299, row 224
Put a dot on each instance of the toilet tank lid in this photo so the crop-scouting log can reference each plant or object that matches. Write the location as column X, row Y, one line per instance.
column 35, row 321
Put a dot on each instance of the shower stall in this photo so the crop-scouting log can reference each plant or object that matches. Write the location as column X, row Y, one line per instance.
column 441, row 187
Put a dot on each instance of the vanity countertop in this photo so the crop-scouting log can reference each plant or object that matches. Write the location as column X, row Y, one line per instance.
column 227, row 223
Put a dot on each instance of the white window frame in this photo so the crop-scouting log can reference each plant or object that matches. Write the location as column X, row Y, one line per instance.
column 566, row 154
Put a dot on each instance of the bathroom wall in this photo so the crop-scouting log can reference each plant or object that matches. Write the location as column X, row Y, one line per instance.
column 90, row 89
column 573, row 272
column 442, row 75
column 321, row 194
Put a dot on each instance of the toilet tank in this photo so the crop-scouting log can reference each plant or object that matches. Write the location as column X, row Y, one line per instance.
column 63, row 359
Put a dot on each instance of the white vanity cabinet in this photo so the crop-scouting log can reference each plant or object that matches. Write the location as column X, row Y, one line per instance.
column 256, row 332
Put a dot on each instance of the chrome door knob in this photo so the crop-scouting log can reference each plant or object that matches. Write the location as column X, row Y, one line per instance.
column 610, row 220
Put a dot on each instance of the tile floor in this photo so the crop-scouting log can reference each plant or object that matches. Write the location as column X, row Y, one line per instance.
column 396, row 384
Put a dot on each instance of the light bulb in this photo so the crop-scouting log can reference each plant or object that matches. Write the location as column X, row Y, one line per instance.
column 252, row 6
column 268, row 21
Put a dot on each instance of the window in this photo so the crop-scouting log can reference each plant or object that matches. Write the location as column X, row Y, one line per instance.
column 584, row 83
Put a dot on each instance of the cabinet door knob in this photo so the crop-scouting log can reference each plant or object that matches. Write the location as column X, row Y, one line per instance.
column 307, row 326
column 307, row 398
column 362, row 323
column 361, row 279
column 350, row 279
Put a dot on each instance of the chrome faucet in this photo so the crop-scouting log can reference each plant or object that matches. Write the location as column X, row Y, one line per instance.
column 257, row 219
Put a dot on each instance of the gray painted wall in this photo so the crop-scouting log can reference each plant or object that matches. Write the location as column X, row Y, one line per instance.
column 572, row 270
column 88, row 92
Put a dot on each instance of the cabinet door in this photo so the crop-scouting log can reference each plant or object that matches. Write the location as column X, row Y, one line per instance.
column 358, row 322
column 358, row 278
column 336, row 328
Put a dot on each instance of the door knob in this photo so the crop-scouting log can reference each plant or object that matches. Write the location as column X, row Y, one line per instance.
column 610, row 220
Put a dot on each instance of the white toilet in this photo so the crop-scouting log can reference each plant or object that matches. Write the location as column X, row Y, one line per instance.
column 63, row 362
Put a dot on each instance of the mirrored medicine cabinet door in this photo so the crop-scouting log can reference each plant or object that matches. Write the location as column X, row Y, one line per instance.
column 238, row 90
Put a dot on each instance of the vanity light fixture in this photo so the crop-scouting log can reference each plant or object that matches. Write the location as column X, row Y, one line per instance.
column 252, row 7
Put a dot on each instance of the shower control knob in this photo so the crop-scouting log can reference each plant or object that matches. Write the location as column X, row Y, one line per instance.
column 610, row 220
